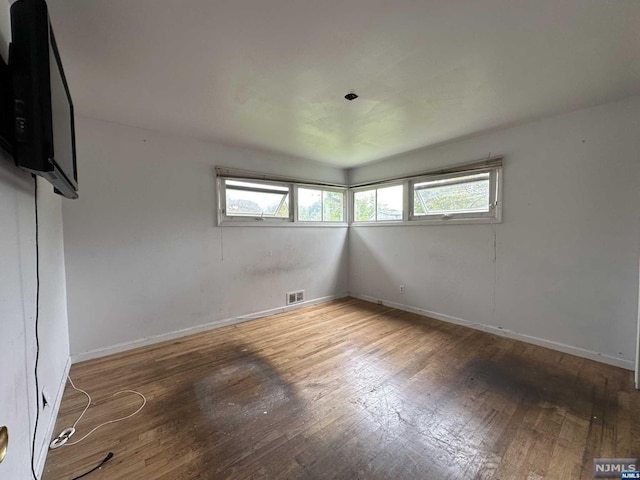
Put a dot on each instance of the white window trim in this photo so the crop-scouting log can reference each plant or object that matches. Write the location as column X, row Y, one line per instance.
column 494, row 216
column 376, row 186
column 223, row 218
column 408, row 216
column 291, row 221
column 323, row 223
column 493, row 184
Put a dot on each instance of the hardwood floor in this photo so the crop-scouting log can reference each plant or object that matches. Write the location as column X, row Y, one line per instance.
column 348, row 390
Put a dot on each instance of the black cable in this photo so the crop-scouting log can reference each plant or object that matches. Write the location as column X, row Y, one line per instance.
column 106, row 459
column 35, row 428
column 35, row 370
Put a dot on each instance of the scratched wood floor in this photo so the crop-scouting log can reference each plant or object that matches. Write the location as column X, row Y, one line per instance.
column 348, row 390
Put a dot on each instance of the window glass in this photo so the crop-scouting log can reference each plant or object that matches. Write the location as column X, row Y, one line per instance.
column 317, row 205
column 309, row 205
column 256, row 199
column 364, row 206
column 378, row 204
column 464, row 194
column 389, row 203
column 333, row 206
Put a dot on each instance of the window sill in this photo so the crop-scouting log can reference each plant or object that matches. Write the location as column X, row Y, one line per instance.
column 263, row 224
column 452, row 221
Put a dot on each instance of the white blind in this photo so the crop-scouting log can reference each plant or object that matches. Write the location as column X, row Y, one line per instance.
column 489, row 162
column 228, row 172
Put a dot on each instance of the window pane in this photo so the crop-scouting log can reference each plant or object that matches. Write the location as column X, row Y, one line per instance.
column 333, row 203
column 309, row 205
column 283, row 211
column 468, row 194
column 389, row 206
column 364, row 208
column 418, row 209
column 256, row 199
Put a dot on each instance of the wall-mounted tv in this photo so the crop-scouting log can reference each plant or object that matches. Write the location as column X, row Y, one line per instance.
column 44, row 133
column 6, row 109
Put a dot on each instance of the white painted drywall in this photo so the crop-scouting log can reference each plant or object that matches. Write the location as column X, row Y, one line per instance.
column 17, row 307
column 144, row 255
column 566, row 266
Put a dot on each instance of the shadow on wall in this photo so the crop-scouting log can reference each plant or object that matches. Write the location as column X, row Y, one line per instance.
column 370, row 265
column 446, row 269
column 339, row 283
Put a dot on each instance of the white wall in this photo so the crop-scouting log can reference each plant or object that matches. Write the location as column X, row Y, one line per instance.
column 144, row 255
column 566, row 267
column 17, row 307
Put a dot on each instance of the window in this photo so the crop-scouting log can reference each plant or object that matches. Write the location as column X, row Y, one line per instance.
column 458, row 195
column 380, row 204
column 244, row 201
column 461, row 195
column 320, row 205
column 468, row 193
column 255, row 199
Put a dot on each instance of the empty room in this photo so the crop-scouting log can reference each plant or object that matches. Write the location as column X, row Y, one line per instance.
column 319, row 240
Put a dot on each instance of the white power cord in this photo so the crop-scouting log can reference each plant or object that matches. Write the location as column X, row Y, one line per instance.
column 66, row 434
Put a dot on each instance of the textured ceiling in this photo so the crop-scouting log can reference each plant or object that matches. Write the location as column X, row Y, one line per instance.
column 272, row 74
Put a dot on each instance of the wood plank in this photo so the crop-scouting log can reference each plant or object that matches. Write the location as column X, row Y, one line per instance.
column 348, row 389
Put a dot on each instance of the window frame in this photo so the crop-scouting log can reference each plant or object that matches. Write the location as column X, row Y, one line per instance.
column 222, row 202
column 494, row 215
column 409, row 217
column 223, row 219
column 378, row 186
column 494, row 189
column 321, row 188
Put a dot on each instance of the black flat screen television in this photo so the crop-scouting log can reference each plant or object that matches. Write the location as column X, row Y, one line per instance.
column 6, row 109
column 44, row 132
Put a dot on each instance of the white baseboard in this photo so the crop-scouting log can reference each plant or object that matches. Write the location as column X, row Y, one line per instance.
column 44, row 447
column 142, row 342
column 561, row 347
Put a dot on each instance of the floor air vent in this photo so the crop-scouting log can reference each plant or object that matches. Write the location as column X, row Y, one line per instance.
column 295, row 297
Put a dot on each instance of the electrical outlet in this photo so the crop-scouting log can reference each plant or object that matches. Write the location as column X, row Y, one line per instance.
column 45, row 398
column 401, row 288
